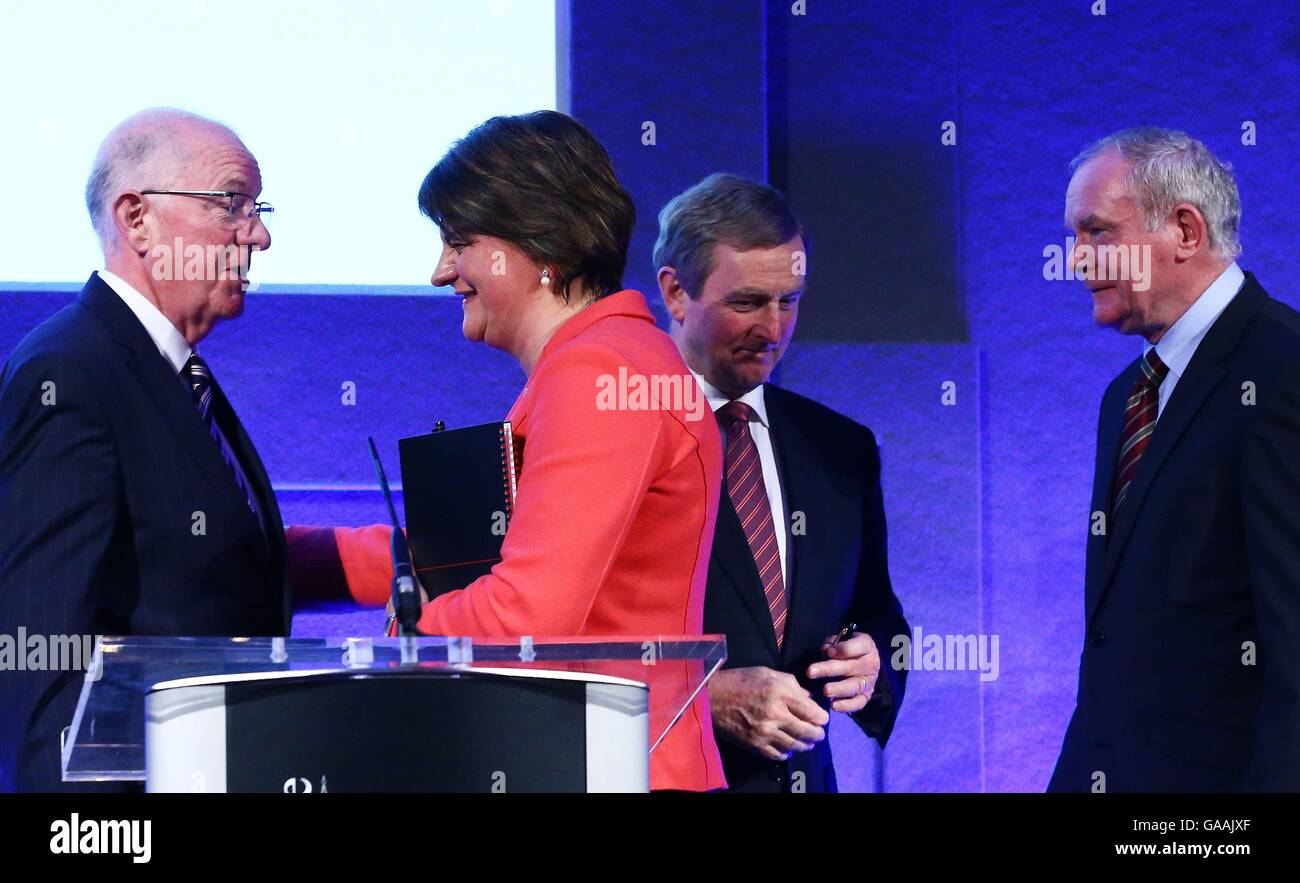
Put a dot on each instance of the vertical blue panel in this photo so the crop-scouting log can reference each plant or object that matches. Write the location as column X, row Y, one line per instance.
column 858, row 94
column 929, row 471
column 694, row 70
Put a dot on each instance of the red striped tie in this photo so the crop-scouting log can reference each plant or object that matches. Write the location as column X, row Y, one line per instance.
column 749, row 495
column 1139, row 423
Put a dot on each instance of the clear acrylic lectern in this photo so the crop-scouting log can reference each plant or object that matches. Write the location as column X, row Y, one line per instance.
column 345, row 714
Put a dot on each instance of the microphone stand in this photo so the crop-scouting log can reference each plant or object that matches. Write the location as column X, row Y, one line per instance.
column 405, row 595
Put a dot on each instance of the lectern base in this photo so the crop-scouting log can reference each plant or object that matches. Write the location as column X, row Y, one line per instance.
column 404, row 730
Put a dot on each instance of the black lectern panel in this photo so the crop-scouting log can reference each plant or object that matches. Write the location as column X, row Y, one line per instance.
column 459, row 734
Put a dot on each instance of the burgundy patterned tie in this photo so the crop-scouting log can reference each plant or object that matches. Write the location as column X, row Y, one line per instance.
column 1139, row 423
column 749, row 496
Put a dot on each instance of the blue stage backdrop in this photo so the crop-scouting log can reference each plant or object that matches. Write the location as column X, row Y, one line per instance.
column 926, row 146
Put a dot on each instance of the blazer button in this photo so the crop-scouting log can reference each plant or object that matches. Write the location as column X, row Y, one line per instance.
column 1097, row 639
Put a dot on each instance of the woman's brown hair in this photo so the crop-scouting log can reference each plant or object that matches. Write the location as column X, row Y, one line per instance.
column 543, row 183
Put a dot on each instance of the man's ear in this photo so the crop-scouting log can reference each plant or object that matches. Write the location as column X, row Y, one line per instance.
column 1193, row 233
column 674, row 296
column 133, row 221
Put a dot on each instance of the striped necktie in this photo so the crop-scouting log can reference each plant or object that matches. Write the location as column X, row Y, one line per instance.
column 202, row 385
column 749, row 496
column 1139, row 423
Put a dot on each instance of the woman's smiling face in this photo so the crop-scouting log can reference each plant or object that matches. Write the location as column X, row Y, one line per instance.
column 494, row 280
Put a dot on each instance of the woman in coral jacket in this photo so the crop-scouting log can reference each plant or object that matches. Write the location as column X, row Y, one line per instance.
column 614, row 515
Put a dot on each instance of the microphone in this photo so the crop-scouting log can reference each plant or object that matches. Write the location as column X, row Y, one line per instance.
column 406, row 599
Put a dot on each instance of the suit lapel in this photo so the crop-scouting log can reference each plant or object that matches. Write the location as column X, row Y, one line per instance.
column 243, row 449
column 1111, row 424
column 1204, row 373
column 260, row 485
column 732, row 555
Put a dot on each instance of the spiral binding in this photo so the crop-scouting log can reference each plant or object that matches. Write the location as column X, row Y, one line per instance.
column 509, row 468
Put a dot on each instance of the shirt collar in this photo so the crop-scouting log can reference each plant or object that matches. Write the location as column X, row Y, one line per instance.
column 754, row 398
column 1179, row 343
column 170, row 342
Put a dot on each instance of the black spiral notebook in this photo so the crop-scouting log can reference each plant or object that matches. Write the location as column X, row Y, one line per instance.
column 459, row 491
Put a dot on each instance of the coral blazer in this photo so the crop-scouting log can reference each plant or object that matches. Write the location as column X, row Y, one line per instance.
column 614, row 516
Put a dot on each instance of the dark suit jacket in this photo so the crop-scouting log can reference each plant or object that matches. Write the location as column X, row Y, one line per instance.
column 830, row 472
column 99, row 491
column 1202, row 565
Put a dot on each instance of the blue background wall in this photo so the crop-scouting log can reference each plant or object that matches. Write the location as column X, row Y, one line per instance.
column 926, row 268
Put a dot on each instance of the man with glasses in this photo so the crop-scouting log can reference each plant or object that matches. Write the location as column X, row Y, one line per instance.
column 133, row 501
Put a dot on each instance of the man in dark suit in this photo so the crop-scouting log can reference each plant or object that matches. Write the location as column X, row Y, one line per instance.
column 1190, row 673
column 133, row 501
column 799, row 553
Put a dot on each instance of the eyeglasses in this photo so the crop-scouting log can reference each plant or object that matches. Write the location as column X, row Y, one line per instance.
column 239, row 207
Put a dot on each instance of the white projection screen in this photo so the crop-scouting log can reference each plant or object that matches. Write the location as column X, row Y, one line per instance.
column 345, row 103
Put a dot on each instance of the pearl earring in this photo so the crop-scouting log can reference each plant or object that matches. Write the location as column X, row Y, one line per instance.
column 546, row 276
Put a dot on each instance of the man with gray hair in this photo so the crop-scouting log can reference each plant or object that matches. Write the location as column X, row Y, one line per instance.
column 134, row 502
column 798, row 579
column 1189, row 678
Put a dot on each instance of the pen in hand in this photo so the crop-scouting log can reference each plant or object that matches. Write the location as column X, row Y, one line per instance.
column 845, row 632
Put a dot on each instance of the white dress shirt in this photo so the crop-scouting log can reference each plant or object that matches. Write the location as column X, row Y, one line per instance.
column 758, row 430
column 1179, row 343
column 170, row 342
